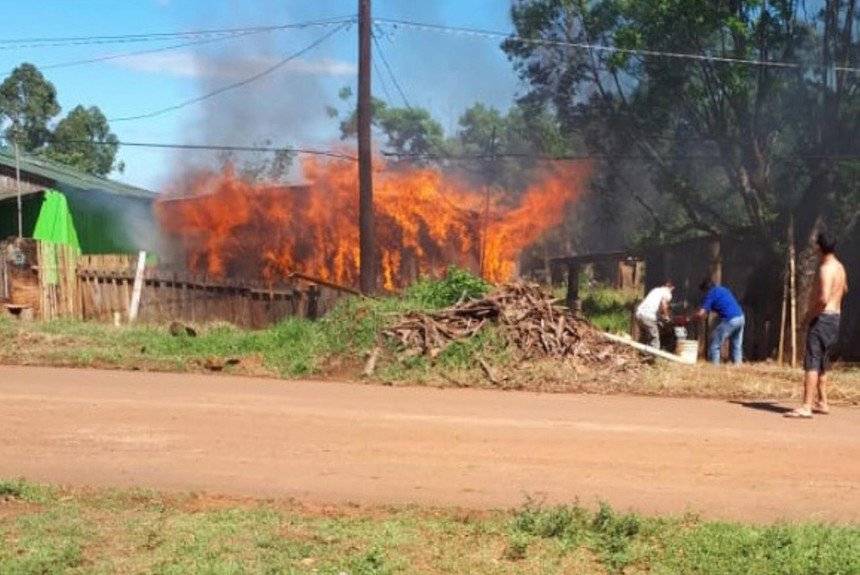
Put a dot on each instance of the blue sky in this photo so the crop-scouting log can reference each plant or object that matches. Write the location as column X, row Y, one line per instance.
column 442, row 72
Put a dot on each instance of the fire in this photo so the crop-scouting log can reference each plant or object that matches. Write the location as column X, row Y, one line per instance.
column 426, row 221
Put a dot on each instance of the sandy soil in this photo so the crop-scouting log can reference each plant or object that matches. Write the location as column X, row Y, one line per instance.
column 338, row 442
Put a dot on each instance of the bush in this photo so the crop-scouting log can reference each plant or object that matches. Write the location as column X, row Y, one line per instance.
column 609, row 309
column 456, row 284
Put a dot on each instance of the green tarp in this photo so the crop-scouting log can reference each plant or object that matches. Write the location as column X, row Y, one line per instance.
column 55, row 224
column 54, row 227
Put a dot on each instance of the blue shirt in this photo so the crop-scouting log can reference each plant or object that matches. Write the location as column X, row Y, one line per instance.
column 720, row 299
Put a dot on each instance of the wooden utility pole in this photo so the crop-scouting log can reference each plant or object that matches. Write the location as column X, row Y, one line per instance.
column 366, row 230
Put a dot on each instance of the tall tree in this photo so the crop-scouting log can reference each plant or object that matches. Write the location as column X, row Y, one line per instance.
column 84, row 141
column 719, row 139
column 411, row 133
column 28, row 102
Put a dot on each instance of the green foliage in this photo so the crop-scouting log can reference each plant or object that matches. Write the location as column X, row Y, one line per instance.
column 455, row 285
column 614, row 536
column 609, row 309
column 748, row 124
column 27, row 102
column 407, row 130
column 74, row 142
column 24, row 491
column 114, row 531
column 28, row 105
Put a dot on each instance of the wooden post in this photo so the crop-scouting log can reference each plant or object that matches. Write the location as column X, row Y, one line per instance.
column 572, row 299
column 780, row 355
column 366, row 225
column 134, row 306
column 18, row 185
column 716, row 260
column 792, row 264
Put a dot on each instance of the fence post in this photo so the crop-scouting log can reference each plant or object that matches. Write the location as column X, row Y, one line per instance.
column 138, row 287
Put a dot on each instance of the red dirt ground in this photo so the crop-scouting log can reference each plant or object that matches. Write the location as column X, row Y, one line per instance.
column 337, row 442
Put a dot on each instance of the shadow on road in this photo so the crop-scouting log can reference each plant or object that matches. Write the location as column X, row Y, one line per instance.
column 770, row 406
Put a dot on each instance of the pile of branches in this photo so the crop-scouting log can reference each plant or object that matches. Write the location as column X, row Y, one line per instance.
column 532, row 322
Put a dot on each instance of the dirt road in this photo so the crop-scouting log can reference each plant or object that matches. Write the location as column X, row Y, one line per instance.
column 332, row 442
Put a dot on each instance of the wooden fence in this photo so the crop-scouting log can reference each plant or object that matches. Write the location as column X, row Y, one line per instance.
column 105, row 284
column 53, row 283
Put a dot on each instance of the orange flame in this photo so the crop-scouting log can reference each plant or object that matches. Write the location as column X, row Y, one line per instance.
column 425, row 220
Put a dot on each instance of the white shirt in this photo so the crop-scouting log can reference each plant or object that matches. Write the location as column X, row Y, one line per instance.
column 650, row 306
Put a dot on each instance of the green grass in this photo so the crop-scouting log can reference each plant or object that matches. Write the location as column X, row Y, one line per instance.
column 107, row 531
column 295, row 347
column 609, row 309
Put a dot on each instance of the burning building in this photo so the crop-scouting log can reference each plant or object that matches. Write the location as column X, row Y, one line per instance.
column 426, row 221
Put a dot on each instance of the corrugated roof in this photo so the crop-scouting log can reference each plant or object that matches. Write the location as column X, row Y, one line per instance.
column 66, row 176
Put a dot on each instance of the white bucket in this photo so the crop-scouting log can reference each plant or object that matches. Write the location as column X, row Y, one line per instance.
column 688, row 349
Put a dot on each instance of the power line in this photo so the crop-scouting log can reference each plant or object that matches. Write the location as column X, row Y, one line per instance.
column 495, row 34
column 381, row 78
column 428, row 156
column 217, row 148
column 109, row 57
column 44, row 42
column 235, row 85
column 390, row 71
column 581, row 157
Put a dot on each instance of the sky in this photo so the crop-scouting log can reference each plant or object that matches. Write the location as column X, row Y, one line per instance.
column 442, row 72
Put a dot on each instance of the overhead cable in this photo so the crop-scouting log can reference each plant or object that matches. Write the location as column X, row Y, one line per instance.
column 217, row 148
column 495, row 34
column 426, row 156
column 234, row 85
column 390, row 71
column 121, row 55
column 18, row 43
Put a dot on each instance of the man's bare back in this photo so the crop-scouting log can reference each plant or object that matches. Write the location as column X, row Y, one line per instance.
column 825, row 305
column 831, row 287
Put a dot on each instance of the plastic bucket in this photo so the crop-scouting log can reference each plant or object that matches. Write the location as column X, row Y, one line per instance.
column 688, row 349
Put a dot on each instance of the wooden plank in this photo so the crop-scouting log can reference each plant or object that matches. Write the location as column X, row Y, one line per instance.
column 134, row 306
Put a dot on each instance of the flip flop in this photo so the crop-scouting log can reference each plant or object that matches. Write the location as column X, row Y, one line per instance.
column 798, row 414
column 820, row 411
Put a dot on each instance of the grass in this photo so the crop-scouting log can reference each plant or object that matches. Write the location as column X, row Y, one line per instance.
column 51, row 530
column 338, row 345
column 609, row 309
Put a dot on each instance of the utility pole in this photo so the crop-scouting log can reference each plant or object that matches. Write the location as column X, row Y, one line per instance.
column 366, row 230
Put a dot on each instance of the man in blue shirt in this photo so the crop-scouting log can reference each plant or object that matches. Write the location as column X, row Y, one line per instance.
column 720, row 300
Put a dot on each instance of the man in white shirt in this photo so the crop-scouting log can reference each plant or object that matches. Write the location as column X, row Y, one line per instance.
column 653, row 308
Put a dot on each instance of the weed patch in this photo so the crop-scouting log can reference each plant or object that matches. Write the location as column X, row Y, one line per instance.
column 108, row 531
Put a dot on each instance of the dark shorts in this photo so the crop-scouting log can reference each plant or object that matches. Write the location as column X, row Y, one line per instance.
column 820, row 339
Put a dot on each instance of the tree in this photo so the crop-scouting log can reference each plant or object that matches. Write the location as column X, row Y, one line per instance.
column 271, row 167
column 411, row 133
column 75, row 142
column 504, row 149
column 28, row 102
column 719, row 140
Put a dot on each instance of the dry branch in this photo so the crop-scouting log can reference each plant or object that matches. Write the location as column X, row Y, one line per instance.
column 531, row 321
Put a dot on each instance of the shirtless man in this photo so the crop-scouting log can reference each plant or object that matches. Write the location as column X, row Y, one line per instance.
column 825, row 305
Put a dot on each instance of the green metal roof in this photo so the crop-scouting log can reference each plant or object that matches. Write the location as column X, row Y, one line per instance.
column 65, row 176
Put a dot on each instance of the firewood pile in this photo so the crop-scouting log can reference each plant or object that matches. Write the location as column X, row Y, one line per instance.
column 533, row 324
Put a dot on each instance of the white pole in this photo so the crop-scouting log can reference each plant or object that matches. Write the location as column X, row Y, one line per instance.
column 648, row 349
column 134, row 307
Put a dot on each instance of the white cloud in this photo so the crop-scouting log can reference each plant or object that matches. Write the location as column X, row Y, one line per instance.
column 190, row 65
